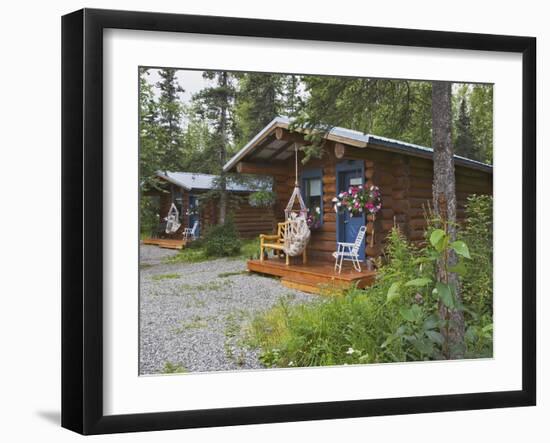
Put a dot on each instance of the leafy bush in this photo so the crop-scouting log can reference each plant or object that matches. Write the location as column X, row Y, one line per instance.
column 222, row 240
column 396, row 319
column 262, row 199
column 342, row 329
column 478, row 233
column 250, row 249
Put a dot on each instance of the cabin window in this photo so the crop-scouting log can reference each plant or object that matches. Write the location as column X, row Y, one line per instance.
column 312, row 192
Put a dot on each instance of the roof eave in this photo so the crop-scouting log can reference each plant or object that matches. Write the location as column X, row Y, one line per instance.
column 173, row 181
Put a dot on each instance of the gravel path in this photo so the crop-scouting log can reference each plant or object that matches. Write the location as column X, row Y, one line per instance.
column 192, row 314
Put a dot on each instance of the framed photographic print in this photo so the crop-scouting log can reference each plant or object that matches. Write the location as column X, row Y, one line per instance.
column 273, row 221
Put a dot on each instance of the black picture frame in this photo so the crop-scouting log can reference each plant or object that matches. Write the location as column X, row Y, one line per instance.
column 82, row 215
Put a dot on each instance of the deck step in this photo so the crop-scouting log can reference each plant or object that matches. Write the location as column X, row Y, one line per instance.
column 312, row 277
column 301, row 285
column 166, row 243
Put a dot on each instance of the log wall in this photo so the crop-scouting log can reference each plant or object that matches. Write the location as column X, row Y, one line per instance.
column 249, row 221
column 406, row 186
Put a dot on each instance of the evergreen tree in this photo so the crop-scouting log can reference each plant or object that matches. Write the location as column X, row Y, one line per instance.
column 258, row 102
column 481, row 115
column 464, row 144
column 170, row 113
column 391, row 108
column 292, row 96
column 149, row 160
column 216, row 104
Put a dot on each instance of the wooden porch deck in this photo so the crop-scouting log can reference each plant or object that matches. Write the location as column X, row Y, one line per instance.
column 168, row 243
column 312, row 277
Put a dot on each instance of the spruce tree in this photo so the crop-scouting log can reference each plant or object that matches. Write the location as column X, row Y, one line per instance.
column 259, row 102
column 170, row 113
column 149, row 159
column 464, row 144
column 216, row 104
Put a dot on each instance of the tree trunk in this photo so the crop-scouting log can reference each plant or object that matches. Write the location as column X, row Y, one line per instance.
column 444, row 201
column 222, row 128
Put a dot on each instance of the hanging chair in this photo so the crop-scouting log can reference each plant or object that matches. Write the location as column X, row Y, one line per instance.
column 296, row 236
column 297, row 233
column 172, row 223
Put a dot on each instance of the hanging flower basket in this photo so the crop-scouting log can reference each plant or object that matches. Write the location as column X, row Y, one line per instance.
column 358, row 200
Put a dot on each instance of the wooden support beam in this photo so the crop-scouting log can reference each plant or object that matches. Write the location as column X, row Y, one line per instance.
column 280, row 150
column 260, row 169
column 292, row 137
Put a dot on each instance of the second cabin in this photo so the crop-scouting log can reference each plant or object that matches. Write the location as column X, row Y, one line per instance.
column 402, row 171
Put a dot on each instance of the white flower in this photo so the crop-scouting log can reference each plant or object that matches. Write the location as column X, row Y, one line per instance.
column 339, row 204
column 290, row 363
column 350, row 351
column 318, row 210
column 340, row 195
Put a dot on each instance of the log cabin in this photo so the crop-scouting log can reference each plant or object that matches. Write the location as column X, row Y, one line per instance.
column 403, row 172
column 187, row 191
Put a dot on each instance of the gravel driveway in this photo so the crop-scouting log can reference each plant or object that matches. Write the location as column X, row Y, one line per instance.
column 192, row 314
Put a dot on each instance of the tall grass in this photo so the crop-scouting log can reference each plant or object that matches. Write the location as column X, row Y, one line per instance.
column 367, row 326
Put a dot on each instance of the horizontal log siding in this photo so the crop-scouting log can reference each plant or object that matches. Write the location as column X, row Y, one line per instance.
column 406, row 186
column 249, row 221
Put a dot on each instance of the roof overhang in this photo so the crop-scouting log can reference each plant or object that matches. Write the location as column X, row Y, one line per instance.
column 267, row 148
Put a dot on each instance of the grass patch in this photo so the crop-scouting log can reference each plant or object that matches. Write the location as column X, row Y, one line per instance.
column 164, row 276
column 250, row 249
column 188, row 255
column 204, row 287
column 233, row 343
column 230, row 274
column 145, row 265
column 195, row 252
column 197, row 322
column 173, row 368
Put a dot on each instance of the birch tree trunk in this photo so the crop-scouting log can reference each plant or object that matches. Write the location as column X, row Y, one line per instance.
column 444, row 202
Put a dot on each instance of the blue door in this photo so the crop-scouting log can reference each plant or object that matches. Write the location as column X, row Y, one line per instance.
column 194, row 216
column 350, row 174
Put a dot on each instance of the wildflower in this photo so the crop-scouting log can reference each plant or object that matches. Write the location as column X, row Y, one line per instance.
column 290, row 363
column 350, row 351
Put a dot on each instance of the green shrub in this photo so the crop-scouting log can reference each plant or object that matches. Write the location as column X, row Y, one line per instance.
column 478, row 233
column 250, row 249
column 396, row 319
column 342, row 329
column 222, row 240
column 262, row 198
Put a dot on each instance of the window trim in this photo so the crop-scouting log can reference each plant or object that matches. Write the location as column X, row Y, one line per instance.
column 309, row 174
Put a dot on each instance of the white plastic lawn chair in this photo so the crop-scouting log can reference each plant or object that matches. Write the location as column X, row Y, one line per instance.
column 349, row 251
column 191, row 233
